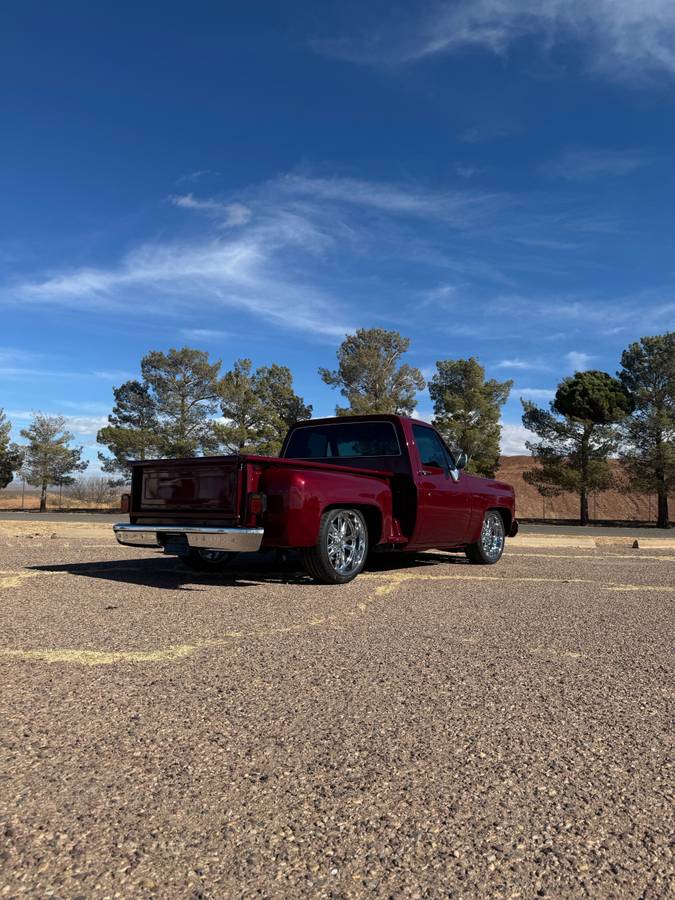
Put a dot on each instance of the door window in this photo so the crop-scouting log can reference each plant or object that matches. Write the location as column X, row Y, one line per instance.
column 429, row 446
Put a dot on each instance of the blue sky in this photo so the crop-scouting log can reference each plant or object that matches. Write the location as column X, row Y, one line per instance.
column 492, row 178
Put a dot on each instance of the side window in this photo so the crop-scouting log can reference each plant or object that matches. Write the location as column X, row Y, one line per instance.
column 429, row 446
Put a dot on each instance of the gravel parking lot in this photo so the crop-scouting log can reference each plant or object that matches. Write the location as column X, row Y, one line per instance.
column 432, row 729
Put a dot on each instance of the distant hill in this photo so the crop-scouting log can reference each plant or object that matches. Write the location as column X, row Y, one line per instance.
column 609, row 505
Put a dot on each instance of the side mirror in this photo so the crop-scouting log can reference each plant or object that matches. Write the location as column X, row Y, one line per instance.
column 462, row 460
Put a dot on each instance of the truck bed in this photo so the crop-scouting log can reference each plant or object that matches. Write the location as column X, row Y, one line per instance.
column 210, row 489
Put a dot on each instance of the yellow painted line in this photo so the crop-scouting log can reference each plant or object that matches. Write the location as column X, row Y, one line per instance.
column 391, row 582
column 102, row 657
column 399, row 577
column 166, row 654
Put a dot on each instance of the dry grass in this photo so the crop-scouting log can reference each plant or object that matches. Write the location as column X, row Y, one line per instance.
column 11, row 500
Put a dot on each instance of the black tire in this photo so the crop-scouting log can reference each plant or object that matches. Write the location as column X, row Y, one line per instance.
column 489, row 547
column 208, row 560
column 322, row 561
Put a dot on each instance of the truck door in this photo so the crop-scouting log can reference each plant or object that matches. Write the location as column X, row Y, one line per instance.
column 443, row 506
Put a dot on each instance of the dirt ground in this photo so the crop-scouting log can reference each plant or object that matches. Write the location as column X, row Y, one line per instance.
column 433, row 729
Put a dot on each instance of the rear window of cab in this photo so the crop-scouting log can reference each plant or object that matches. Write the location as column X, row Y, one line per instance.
column 343, row 441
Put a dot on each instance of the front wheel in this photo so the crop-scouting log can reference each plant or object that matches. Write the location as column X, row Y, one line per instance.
column 341, row 547
column 489, row 547
column 208, row 560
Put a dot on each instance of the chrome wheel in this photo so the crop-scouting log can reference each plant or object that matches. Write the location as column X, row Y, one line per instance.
column 347, row 541
column 492, row 536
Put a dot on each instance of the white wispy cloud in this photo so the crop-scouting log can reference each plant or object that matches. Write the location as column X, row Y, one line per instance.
column 17, row 363
column 228, row 215
column 204, row 334
column 620, row 37
column 318, row 255
column 650, row 309
column 25, row 372
column 265, row 267
column 584, row 165
column 442, row 294
column 461, row 207
column 85, row 407
column 113, row 375
column 520, row 364
column 247, row 272
column 535, row 393
column 17, row 355
column 577, row 360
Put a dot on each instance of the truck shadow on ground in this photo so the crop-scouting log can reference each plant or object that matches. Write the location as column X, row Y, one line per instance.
column 249, row 569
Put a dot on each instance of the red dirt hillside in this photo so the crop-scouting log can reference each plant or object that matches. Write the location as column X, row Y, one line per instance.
column 615, row 505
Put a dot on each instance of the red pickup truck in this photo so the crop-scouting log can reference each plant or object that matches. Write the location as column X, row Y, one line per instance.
column 340, row 488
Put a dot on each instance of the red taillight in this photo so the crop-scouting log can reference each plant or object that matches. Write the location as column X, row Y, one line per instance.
column 257, row 504
column 125, row 503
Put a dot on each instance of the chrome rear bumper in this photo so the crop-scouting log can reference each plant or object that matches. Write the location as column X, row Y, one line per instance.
column 238, row 540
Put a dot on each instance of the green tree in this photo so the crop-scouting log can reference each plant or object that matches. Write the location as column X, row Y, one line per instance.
column 259, row 407
column 467, row 410
column 283, row 407
column 241, row 408
column 10, row 454
column 48, row 458
column 577, row 436
column 370, row 374
column 131, row 432
column 185, row 388
column 648, row 450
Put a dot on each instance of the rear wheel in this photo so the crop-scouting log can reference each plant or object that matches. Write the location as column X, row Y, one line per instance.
column 489, row 547
column 341, row 547
column 208, row 560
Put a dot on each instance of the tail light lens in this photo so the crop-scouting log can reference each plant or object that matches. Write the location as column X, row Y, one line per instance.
column 125, row 503
column 257, row 504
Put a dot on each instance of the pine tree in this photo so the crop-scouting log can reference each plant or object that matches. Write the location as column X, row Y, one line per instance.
column 648, row 451
column 132, row 430
column 184, row 385
column 10, row 455
column 467, row 410
column 48, row 458
column 258, row 407
column 577, row 436
column 370, row 374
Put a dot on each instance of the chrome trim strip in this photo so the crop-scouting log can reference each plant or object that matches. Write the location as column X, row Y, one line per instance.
column 244, row 540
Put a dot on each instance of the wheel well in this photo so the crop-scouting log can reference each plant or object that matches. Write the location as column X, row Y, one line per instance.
column 506, row 517
column 371, row 514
